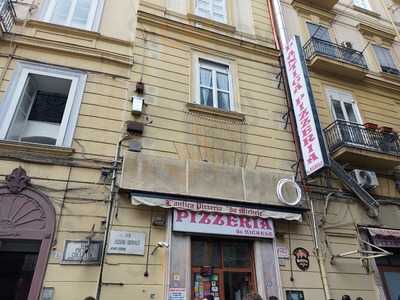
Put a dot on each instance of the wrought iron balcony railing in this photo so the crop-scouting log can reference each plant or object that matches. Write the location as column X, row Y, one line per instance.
column 390, row 70
column 316, row 46
column 346, row 134
column 7, row 15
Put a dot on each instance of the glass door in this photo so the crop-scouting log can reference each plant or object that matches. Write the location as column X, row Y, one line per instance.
column 345, row 112
column 222, row 269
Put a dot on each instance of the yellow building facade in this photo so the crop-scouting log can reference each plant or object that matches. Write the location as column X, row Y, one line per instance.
column 92, row 184
column 351, row 49
column 147, row 150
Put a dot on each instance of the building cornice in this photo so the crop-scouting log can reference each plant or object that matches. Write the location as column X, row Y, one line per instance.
column 306, row 10
column 21, row 38
column 245, row 45
column 370, row 30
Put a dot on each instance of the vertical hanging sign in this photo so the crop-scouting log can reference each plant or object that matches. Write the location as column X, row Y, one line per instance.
column 309, row 131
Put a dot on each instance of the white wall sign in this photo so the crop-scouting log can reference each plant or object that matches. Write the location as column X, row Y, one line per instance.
column 126, row 242
column 82, row 252
column 222, row 224
column 177, row 294
column 308, row 126
column 282, row 252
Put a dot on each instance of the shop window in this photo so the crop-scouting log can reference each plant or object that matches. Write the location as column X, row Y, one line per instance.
column 385, row 60
column 215, row 85
column 223, row 269
column 362, row 3
column 81, row 14
column 41, row 105
column 212, row 9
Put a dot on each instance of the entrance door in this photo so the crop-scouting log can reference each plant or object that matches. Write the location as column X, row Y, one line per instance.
column 18, row 261
column 222, row 269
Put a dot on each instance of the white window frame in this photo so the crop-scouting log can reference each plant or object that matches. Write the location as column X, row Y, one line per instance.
column 346, row 97
column 202, row 61
column 395, row 66
column 211, row 17
column 13, row 96
column 363, row 4
column 93, row 18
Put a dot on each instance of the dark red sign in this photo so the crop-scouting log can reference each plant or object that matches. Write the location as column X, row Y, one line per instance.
column 302, row 258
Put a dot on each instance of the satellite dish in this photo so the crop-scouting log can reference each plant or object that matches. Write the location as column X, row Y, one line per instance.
column 280, row 191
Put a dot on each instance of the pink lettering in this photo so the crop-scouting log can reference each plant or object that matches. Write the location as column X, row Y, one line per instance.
column 204, row 218
column 245, row 222
column 181, row 214
column 264, row 224
column 232, row 221
column 218, row 219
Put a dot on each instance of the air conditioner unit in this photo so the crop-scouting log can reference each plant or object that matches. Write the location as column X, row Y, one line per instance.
column 366, row 179
column 347, row 45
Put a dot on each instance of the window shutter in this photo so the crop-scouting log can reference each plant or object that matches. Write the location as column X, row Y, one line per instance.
column 384, row 57
column 219, row 10
column 203, row 8
column 22, row 113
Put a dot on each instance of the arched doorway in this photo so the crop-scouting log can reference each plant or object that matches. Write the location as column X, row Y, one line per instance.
column 27, row 222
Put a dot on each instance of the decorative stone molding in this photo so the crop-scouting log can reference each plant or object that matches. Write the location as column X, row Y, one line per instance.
column 27, row 214
column 371, row 31
column 308, row 11
column 17, row 180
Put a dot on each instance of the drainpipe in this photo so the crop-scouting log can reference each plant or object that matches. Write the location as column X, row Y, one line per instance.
column 279, row 31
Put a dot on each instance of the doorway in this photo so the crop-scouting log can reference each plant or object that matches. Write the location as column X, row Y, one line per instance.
column 18, row 261
column 222, row 269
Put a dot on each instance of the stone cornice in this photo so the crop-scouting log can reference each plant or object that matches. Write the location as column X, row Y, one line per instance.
column 370, row 30
column 31, row 40
column 306, row 10
column 215, row 37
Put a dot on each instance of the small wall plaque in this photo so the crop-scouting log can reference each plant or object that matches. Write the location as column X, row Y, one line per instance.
column 82, row 252
column 126, row 242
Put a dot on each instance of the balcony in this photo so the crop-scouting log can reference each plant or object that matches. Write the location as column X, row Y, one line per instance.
column 326, row 56
column 7, row 16
column 362, row 147
column 324, row 4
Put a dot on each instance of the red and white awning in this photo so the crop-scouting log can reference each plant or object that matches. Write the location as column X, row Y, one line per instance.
column 214, row 208
column 389, row 238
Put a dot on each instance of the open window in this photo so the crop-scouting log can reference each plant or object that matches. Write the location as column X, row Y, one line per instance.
column 41, row 105
column 83, row 14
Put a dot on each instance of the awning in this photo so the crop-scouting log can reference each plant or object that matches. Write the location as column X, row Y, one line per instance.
column 385, row 237
column 214, row 208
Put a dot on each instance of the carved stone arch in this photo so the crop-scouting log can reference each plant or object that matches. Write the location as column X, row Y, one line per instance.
column 27, row 214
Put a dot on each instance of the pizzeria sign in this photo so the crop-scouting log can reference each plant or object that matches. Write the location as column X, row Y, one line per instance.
column 309, row 130
column 222, row 224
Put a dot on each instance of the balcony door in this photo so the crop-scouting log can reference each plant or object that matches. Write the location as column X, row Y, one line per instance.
column 347, row 117
column 321, row 39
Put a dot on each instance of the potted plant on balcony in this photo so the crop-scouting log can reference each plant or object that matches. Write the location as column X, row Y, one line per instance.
column 371, row 126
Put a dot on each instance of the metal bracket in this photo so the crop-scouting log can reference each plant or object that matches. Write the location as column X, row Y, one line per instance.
column 362, row 254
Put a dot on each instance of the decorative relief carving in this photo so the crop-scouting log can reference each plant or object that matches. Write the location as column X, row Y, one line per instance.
column 19, row 212
column 17, row 181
